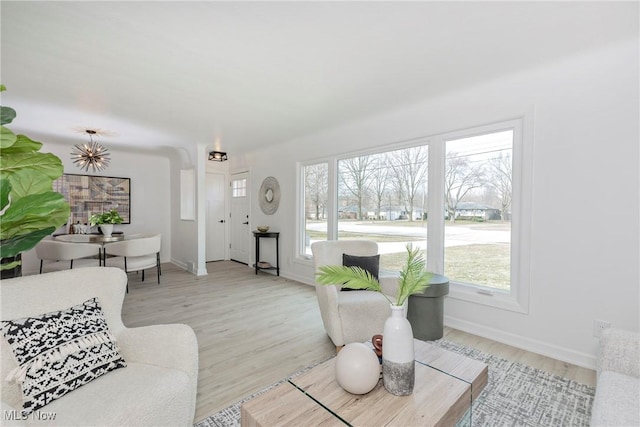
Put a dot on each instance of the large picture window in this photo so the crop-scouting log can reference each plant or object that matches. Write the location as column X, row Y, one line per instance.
column 458, row 196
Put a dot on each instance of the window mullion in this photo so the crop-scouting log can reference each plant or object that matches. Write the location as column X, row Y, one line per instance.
column 332, row 200
column 435, row 202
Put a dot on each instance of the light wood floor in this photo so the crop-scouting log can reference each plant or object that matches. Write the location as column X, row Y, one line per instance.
column 255, row 330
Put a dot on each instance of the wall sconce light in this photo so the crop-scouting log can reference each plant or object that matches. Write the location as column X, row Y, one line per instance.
column 91, row 155
column 217, row 156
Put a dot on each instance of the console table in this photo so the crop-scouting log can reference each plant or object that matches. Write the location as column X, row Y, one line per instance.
column 269, row 234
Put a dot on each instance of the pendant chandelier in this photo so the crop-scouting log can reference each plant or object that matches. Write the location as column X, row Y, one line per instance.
column 91, row 155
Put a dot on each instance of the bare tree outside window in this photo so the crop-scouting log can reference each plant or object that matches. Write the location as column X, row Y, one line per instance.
column 355, row 175
column 461, row 177
column 379, row 183
column 409, row 168
column 500, row 176
column 316, row 184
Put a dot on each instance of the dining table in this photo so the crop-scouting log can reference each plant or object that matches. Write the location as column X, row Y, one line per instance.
column 93, row 238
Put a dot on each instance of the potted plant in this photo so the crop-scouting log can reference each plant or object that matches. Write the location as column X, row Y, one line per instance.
column 398, row 366
column 106, row 220
column 30, row 209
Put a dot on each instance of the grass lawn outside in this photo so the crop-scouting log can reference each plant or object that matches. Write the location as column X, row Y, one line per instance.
column 486, row 264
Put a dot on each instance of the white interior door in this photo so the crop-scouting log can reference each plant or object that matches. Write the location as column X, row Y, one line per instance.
column 216, row 240
column 240, row 230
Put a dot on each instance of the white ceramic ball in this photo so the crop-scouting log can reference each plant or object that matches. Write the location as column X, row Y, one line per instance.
column 357, row 368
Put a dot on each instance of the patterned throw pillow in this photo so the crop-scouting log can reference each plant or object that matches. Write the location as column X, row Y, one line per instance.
column 60, row 351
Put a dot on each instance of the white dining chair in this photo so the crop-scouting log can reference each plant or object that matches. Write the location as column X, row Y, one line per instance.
column 64, row 255
column 135, row 254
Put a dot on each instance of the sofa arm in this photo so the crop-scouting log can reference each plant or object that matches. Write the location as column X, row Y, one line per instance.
column 619, row 352
column 170, row 346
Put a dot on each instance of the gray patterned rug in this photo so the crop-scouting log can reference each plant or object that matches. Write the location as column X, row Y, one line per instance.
column 516, row 395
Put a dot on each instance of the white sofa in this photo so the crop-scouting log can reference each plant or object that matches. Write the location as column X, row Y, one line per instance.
column 617, row 400
column 158, row 386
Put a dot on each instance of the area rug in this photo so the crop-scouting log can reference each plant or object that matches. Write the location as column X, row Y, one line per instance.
column 516, row 395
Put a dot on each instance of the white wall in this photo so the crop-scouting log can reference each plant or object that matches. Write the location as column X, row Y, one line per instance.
column 584, row 262
column 150, row 190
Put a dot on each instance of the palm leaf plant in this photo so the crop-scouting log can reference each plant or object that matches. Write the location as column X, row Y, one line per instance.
column 29, row 208
column 413, row 277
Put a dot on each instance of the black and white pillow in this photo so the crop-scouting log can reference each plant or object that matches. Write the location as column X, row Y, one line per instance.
column 60, row 351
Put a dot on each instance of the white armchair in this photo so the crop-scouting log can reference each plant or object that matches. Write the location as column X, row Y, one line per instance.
column 158, row 385
column 135, row 254
column 61, row 255
column 351, row 316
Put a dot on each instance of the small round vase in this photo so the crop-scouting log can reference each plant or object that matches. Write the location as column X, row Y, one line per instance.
column 398, row 357
column 357, row 368
column 106, row 229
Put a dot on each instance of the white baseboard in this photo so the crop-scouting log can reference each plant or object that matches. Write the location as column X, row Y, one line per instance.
column 297, row 278
column 550, row 350
column 185, row 266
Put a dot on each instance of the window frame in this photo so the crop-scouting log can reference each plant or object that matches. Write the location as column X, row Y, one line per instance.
column 517, row 298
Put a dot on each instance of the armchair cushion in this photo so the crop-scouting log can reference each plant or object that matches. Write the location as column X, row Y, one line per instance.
column 60, row 351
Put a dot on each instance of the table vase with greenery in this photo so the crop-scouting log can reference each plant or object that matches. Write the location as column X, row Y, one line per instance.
column 398, row 366
column 106, row 220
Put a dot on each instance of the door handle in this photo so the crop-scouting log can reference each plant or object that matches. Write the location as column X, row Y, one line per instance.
column 246, row 223
column 221, row 221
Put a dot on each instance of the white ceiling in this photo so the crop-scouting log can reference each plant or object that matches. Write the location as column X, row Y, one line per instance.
column 239, row 75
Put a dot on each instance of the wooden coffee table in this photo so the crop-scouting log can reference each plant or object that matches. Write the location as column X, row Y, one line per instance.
column 446, row 384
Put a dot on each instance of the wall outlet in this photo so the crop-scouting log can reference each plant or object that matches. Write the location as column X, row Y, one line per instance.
column 599, row 326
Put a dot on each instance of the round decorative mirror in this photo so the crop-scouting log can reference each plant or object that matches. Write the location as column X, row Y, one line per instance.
column 269, row 195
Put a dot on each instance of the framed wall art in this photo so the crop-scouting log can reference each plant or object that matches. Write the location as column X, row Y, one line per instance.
column 89, row 194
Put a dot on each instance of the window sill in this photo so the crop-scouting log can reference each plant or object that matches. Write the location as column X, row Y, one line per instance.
column 492, row 298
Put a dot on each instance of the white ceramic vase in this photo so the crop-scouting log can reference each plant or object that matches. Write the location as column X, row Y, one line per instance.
column 398, row 357
column 106, row 229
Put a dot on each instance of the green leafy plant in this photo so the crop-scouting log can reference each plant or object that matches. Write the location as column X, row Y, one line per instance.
column 413, row 277
column 29, row 208
column 109, row 217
